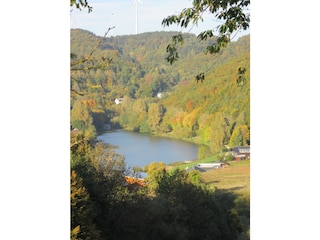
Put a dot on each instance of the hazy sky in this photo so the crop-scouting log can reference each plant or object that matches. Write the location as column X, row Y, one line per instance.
column 122, row 15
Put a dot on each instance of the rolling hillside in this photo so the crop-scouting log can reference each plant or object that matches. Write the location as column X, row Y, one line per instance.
column 214, row 112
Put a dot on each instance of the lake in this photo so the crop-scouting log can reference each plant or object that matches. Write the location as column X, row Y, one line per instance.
column 140, row 149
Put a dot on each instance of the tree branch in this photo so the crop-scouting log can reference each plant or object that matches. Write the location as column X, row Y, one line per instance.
column 93, row 50
column 86, row 59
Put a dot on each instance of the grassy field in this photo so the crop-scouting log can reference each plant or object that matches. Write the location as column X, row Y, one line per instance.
column 236, row 177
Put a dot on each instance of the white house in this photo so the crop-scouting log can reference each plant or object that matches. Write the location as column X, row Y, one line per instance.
column 118, row 100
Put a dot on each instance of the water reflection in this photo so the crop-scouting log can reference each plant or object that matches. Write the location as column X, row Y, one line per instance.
column 140, row 149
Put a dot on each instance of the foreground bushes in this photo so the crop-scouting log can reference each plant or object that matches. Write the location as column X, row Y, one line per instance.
column 180, row 206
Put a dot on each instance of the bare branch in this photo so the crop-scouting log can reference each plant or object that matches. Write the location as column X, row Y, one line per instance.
column 78, row 93
column 78, row 142
column 93, row 50
column 86, row 59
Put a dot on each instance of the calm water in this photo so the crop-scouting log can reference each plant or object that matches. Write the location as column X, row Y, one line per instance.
column 140, row 149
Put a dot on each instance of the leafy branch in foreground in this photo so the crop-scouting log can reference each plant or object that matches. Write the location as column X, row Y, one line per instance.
column 232, row 14
column 79, row 4
column 172, row 48
column 241, row 78
column 91, row 64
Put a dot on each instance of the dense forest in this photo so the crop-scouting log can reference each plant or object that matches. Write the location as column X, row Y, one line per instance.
column 213, row 111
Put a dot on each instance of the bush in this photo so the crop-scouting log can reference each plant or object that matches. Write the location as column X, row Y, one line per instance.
column 228, row 157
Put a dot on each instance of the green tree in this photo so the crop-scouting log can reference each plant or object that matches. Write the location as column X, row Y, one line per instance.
column 168, row 119
column 106, row 161
column 195, row 178
column 140, row 105
column 232, row 15
column 89, row 61
column 82, row 211
column 81, row 118
column 101, row 172
column 128, row 117
column 204, row 214
column 155, row 171
column 155, row 114
column 143, row 124
column 204, row 152
column 240, row 136
column 219, row 133
column 80, row 4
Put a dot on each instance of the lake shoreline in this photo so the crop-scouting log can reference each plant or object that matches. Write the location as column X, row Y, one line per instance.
column 193, row 140
column 141, row 149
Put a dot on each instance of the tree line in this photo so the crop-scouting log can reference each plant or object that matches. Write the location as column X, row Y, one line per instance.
column 173, row 204
column 215, row 112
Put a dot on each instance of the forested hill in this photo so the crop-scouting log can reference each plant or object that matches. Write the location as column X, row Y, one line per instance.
column 140, row 60
column 215, row 111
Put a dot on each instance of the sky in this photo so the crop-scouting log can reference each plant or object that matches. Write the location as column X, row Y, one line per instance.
column 122, row 15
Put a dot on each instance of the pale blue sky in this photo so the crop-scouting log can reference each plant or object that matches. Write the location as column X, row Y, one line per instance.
column 122, row 15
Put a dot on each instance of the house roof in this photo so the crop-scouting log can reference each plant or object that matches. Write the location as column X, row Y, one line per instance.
column 75, row 131
column 134, row 181
column 242, row 149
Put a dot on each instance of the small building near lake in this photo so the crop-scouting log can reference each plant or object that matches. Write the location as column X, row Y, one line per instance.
column 75, row 132
column 241, row 153
column 133, row 183
column 204, row 167
column 118, row 100
column 107, row 126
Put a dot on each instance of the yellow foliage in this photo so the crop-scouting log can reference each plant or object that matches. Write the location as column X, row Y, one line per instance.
column 89, row 102
column 74, row 232
column 191, row 118
column 240, row 136
column 93, row 86
column 97, row 110
column 76, row 189
column 178, row 120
